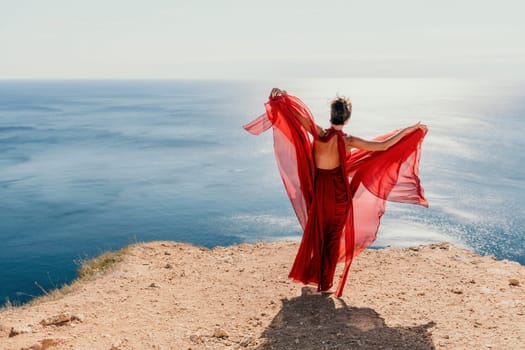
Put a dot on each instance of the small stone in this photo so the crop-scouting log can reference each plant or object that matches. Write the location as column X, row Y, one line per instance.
column 43, row 344
column 116, row 345
column 247, row 341
column 196, row 339
column 415, row 249
column 167, row 253
column 220, row 333
column 456, row 291
column 514, row 282
column 168, row 266
column 57, row 320
column 153, row 285
column 19, row 330
column 442, row 245
column 77, row 317
column 36, row 346
column 49, row 342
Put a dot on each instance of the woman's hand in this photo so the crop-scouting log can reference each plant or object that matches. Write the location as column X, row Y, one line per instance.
column 416, row 126
column 277, row 92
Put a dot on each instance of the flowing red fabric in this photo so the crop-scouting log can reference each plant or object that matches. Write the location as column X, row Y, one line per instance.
column 370, row 179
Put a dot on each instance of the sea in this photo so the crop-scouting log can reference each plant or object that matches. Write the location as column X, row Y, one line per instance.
column 89, row 166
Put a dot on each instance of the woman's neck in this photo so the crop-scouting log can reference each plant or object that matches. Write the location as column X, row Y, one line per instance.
column 337, row 127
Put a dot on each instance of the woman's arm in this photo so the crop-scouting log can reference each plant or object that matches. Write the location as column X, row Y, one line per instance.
column 356, row 142
column 304, row 122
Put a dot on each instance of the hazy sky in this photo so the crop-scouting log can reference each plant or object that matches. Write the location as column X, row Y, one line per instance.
column 261, row 39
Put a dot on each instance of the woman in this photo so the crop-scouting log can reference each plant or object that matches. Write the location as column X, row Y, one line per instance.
column 338, row 184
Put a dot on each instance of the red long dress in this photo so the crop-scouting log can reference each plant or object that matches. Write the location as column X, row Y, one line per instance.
column 369, row 178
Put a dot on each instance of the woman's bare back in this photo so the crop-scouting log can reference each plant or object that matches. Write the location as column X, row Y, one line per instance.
column 326, row 154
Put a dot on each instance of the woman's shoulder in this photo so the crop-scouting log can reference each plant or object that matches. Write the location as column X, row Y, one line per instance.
column 348, row 140
column 326, row 135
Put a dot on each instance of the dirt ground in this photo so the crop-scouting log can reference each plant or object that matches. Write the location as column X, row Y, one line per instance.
column 168, row 295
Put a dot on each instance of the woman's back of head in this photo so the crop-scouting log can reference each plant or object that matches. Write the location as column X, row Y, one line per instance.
column 340, row 110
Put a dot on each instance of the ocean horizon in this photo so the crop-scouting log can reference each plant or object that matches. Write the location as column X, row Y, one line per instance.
column 88, row 166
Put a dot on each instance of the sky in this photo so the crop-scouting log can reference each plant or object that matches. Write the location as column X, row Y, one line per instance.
column 235, row 39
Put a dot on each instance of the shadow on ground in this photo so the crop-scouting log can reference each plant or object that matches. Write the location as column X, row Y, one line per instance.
column 313, row 321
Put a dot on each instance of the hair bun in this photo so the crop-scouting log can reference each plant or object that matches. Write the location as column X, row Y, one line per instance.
column 339, row 105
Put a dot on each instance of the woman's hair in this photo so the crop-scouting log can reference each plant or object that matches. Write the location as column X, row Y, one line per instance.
column 340, row 110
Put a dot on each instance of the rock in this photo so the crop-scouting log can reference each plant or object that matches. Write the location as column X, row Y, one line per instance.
column 247, row 341
column 167, row 253
column 168, row 266
column 19, row 330
column 43, row 344
column 77, row 317
column 220, row 333
column 62, row 319
column 116, row 345
column 514, row 282
column 456, row 291
column 35, row 346
column 153, row 285
column 58, row 320
column 442, row 245
column 196, row 339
